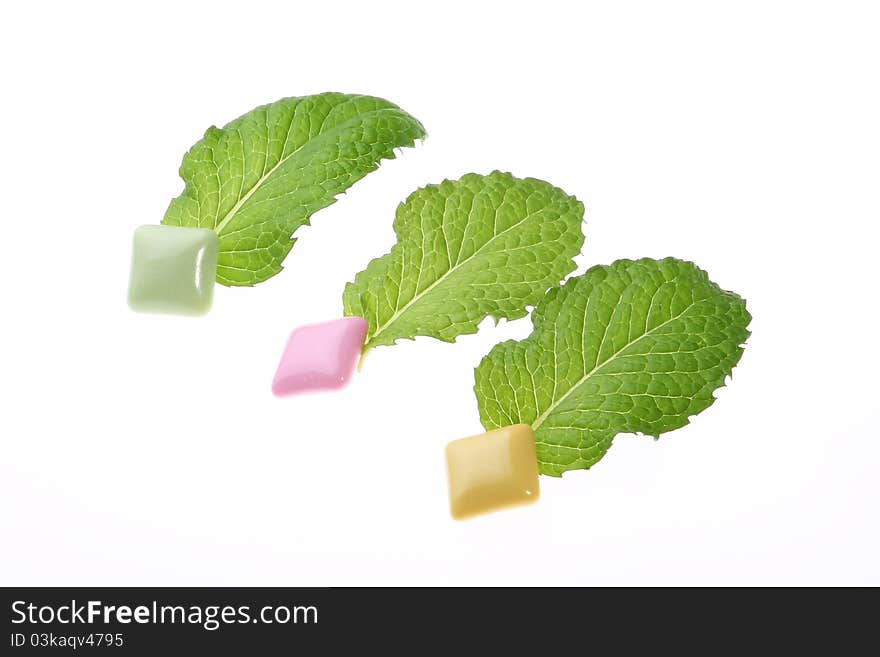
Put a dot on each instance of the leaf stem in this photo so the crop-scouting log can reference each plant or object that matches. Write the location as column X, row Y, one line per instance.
column 363, row 357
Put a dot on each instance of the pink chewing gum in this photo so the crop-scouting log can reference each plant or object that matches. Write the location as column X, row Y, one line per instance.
column 320, row 356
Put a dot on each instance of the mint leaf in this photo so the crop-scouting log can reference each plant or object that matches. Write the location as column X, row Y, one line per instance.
column 634, row 347
column 259, row 178
column 467, row 249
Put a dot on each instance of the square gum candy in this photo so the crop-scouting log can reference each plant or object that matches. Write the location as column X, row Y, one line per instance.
column 320, row 356
column 173, row 270
column 492, row 471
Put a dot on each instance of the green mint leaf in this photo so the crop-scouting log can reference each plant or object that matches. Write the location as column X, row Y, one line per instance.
column 634, row 347
column 467, row 249
column 260, row 177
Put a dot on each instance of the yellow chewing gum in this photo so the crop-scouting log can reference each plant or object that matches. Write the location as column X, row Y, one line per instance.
column 492, row 471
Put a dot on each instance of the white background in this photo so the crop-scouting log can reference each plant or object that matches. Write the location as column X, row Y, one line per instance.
column 148, row 450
